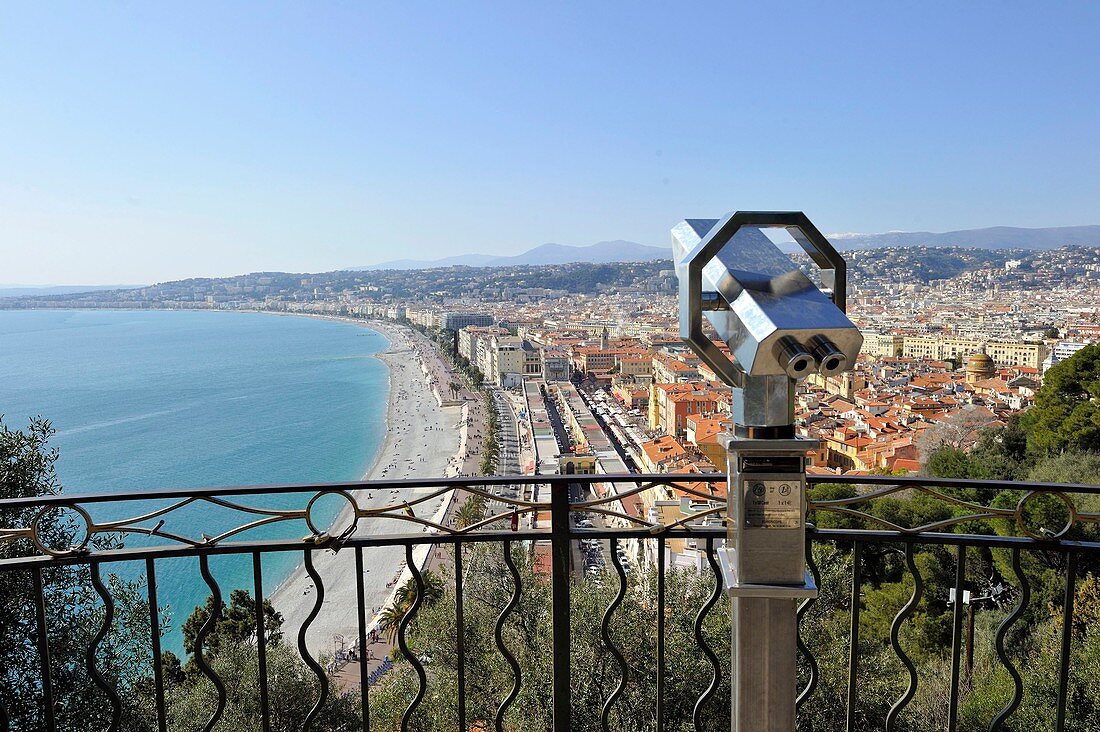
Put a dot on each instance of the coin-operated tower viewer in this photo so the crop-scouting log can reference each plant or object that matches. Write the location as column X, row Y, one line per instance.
column 778, row 327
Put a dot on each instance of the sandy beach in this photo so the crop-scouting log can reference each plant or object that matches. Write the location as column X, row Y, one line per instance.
column 423, row 439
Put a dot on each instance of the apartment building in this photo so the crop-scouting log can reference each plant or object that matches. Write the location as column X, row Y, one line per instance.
column 555, row 364
column 1008, row 353
column 880, row 345
column 469, row 337
column 1003, row 353
column 458, row 321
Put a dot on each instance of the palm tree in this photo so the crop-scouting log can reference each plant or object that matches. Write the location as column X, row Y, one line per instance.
column 406, row 593
column 470, row 512
column 389, row 619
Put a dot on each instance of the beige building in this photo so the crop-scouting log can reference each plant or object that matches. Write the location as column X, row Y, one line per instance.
column 469, row 337
column 1007, row 353
column 1003, row 353
column 882, row 345
column 505, row 356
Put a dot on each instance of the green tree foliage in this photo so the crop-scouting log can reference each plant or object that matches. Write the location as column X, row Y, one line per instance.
column 392, row 614
column 73, row 609
column 1066, row 414
column 237, row 623
column 491, row 456
column 470, row 512
column 230, row 649
column 292, row 692
column 1000, row 454
column 1075, row 467
column 527, row 634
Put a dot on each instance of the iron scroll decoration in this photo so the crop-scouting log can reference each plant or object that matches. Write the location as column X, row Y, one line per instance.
column 702, row 490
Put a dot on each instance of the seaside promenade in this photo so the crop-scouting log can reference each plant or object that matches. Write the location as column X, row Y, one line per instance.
column 423, row 440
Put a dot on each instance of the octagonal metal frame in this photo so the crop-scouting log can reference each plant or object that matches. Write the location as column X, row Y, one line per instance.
column 800, row 228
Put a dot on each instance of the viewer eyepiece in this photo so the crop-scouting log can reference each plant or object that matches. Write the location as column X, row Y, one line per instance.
column 830, row 359
column 795, row 360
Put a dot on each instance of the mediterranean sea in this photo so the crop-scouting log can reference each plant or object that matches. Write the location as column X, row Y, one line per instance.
column 165, row 399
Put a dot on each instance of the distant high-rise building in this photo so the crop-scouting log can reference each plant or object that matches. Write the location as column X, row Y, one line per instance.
column 1061, row 351
column 458, row 321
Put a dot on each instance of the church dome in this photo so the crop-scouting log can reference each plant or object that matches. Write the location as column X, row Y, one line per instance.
column 980, row 366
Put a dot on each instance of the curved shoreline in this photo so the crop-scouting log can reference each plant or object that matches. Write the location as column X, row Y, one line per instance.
column 423, row 439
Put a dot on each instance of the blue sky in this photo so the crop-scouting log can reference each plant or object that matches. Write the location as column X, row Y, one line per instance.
column 141, row 142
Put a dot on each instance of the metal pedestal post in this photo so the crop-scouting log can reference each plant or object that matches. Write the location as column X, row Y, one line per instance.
column 764, row 648
column 765, row 576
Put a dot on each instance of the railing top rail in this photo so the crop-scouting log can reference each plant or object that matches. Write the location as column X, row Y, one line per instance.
column 637, row 478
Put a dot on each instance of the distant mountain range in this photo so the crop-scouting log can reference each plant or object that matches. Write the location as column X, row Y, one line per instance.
column 600, row 253
column 996, row 237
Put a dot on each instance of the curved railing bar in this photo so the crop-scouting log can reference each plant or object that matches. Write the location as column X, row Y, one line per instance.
column 499, row 634
column 618, row 514
column 584, row 505
column 910, row 530
column 661, row 528
column 125, row 525
column 999, row 644
column 208, row 541
column 93, row 647
column 112, row 525
column 862, row 515
column 14, row 534
column 859, row 498
column 960, row 502
column 250, row 525
column 918, row 481
column 118, row 524
column 605, row 634
column 402, row 640
column 803, row 606
column 200, row 638
column 245, row 508
column 947, row 523
column 155, row 531
column 870, row 496
column 716, row 668
column 488, row 520
column 895, row 627
column 318, row 670
column 468, row 489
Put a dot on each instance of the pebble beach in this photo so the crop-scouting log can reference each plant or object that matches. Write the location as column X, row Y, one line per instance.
column 424, row 439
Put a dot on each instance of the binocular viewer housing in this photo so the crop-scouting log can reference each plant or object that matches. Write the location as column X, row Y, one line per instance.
column 773, row 318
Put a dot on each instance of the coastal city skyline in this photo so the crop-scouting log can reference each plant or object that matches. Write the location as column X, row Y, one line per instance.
column 572, row 367
column 166, row 143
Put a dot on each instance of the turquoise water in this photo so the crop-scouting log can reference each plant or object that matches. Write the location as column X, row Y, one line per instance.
column 145, row 400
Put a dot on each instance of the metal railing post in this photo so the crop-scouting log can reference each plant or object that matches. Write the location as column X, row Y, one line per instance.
column 560, row 554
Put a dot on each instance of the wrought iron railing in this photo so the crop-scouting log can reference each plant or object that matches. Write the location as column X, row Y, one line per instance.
column 864, row 520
